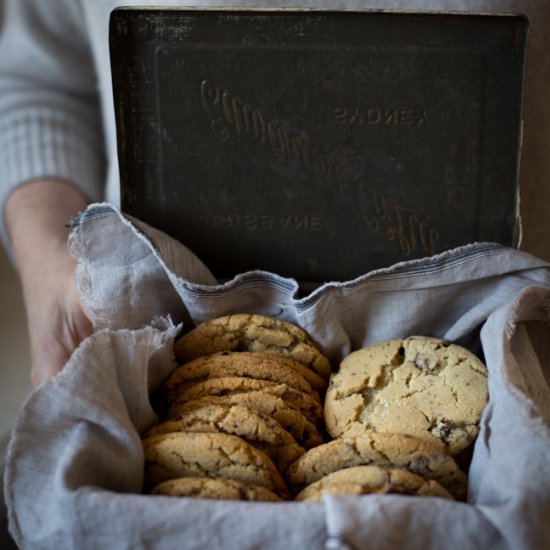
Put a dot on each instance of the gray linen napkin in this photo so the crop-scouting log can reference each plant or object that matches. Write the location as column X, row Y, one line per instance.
column 75, row 464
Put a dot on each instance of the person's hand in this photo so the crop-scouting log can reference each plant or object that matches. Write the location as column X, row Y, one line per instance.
column 56, row 319
column 36, row 215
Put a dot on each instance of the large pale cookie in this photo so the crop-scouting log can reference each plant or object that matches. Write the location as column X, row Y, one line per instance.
column 374, row 479
column 245, row 332
column 420, row 456
column 182, row 454
column 259, row 366
column 230, row 385
column 259, row 430
column 290, row 418
column 421, row 386
column 214, row 488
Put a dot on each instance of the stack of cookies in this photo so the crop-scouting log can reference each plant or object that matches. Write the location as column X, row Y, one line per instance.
column 399, row 413
column 254, row 412
column 244, row 404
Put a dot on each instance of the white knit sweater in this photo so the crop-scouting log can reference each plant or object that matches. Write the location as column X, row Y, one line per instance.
column 56, row 107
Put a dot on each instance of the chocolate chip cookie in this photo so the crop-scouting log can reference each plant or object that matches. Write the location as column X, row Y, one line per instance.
column 289, row 417
column 258, row 333
column 183, row 454
column 420, row 385
column 214, row 488
column 259, row 430
column 372, row 479
column 258, row 366
column 231, row 385
column 419, row 456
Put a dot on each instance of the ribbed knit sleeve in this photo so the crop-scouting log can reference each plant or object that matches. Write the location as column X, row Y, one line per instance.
column 50, row 122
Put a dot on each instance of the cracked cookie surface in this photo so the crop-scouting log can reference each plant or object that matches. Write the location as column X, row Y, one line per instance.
column 259, row 430
column 183, row 454
column 419, row 456
column 258, row 366
column 289, row 417
column 373, row 479
column 231, row 385
column 214, row 488
column 420, row 385
column 257, row 333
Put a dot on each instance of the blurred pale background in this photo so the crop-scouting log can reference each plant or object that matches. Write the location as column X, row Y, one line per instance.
column 14, row 349
column 14, row 365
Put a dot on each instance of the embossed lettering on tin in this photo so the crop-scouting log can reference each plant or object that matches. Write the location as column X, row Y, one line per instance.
column 405, row 224
column 254, row 222
column 380, row 116
column 230, row 118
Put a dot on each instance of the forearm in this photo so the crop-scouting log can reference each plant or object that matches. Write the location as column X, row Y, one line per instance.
column 36, row 214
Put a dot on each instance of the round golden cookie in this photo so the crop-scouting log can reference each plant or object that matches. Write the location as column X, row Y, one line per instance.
column 419, row 456
column 246, row 332
column 230, row 385
column 214, row 488
column 259, row 430
column 259, row 366
column 375, row 479
column 183, row 454
column 290, row 418
column 421, row 386
column 343, row 488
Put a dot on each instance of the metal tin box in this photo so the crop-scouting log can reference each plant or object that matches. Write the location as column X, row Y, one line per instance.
column 319, row 144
